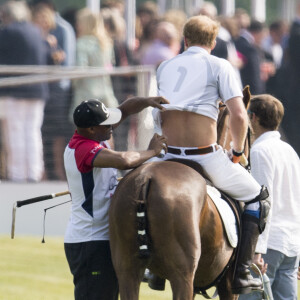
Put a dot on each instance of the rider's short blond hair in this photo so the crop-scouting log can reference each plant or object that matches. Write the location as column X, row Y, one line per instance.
column 201, row 31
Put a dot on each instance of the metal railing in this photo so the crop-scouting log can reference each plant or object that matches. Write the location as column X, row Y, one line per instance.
column 13, row 76
column 37, row 74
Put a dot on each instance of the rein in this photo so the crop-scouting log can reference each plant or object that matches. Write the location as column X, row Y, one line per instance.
column 221, row 121
column 248, row 167
column 222, row 114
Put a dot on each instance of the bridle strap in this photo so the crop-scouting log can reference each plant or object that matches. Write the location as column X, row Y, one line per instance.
column 223, row 113
column 249, row 148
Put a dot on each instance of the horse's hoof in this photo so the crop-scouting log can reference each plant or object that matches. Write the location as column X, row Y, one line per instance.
column 156, row 287
column 156, row 283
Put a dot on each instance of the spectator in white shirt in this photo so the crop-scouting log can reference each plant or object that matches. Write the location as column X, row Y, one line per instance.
column 275, row 164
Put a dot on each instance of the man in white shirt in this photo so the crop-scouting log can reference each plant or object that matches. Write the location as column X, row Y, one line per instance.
column 194, row 82
column 276, row 165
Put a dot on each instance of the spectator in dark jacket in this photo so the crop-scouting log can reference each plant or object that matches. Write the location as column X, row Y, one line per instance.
column 290, row 82
column 252, row 56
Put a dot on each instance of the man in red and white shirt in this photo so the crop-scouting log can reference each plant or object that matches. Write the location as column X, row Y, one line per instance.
column 91, row 169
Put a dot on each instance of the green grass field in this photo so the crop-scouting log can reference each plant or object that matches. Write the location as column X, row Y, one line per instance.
column 30, row 270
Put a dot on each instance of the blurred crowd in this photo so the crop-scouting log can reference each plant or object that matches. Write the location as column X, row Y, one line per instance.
column 36, row 119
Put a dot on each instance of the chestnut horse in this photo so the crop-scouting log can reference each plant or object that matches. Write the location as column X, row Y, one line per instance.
column 181, row 235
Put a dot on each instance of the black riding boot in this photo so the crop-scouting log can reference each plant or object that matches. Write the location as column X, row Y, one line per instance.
column 155, row 282
column 243, row 282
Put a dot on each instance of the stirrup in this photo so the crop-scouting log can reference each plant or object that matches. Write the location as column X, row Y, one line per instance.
column 257, row 284
column 266, row 292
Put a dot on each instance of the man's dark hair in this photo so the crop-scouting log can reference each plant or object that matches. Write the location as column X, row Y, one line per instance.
column 48, row 3
column 149, row 8
column 268, row 109
column 256, row 26
column 276, row 25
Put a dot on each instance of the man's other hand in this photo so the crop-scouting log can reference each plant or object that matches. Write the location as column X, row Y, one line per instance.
column 259, row 261
column 158, row 143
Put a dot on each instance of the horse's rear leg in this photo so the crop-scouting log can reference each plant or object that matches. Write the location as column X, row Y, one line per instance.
column 129, row 286
column 129, row 270
column 224, row 287
column 182, row 287
column 182, row 276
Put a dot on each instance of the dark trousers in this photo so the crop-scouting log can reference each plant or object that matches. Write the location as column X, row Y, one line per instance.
column 93, row 273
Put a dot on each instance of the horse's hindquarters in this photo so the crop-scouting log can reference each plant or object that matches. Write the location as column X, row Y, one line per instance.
column 174, row 195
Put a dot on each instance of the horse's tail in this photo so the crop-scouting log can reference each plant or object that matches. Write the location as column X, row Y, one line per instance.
column 143, row 236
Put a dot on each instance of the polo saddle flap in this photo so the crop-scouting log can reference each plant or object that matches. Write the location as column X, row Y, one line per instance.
column 227, row 215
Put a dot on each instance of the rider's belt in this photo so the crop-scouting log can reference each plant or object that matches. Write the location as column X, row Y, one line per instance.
column 196, row 151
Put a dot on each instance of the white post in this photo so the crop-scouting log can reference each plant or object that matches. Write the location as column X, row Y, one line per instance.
column 197, row 5
column 147, row 86
column 130, row 21
column 93, row 5
column 258, row 10
column 228, row 7
column 287, row 10
column 162, row 6
column 175, row 4
column 189, row 7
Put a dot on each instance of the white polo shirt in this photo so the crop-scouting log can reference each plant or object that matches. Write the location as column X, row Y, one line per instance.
column 276, row 165
column 91, row 190
column 196, row 81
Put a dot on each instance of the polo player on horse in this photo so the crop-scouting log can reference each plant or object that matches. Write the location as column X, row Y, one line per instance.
column 193, row 82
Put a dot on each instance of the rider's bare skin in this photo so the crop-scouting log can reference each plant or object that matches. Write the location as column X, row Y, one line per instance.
column 188, row 129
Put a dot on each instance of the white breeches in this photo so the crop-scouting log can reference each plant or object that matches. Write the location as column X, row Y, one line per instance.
column 24, row 148
column 227, row 176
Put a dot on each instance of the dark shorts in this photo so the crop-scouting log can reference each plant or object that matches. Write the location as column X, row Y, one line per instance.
column 93, row 273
